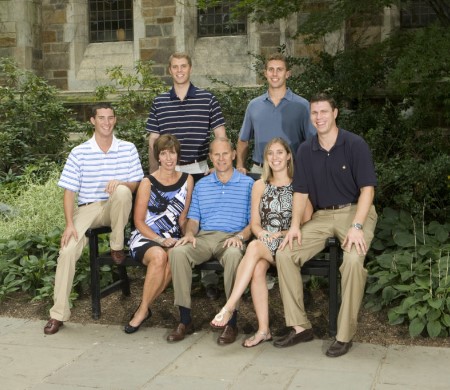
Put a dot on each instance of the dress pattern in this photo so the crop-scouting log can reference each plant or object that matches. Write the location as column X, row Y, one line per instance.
column 275, row 210
column 165, row 206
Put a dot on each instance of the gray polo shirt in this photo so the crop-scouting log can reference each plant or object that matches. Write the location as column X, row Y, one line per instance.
column 289, row 120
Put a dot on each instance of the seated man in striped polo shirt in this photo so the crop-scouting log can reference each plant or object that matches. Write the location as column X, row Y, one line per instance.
column 104, row 171
column 218, row 225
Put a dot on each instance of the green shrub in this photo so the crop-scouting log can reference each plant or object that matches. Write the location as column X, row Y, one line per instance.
column 409, row 273
column 34, row 124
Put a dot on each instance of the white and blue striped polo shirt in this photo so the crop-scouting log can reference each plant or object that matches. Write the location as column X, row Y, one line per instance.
column 222, row 207
column 190, row 120
column 88, row 169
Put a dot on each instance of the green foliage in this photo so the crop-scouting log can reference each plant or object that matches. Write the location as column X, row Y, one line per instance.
column 133, row 94
column 409, row 273
column 28, row 199
column 33, row 121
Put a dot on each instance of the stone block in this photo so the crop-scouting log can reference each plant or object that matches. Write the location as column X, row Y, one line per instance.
column 164, row 20
column 147, row 54
column 148, row 43
column 269, row 39
column 168, row 11
column 56, row 61
column 59, row 83
column 7, row 41
column 153, row 31
column 167, row 30
column 157, row 3
column 48, row 36
column 60, row 73
column 54, row 16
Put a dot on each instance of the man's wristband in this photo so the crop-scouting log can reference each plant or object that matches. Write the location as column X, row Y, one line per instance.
column 357, row 226
column 240, row 236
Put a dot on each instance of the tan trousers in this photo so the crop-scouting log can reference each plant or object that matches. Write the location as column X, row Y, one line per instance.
column 324, row 224
column 184, row 258
column 113, row 212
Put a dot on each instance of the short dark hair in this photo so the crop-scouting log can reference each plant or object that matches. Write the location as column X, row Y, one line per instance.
column 99, row 106
column 323, row 97
column 277, row 57
column 166, row 142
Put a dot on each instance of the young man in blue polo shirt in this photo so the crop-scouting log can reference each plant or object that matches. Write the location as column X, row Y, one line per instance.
column 218, row 226
column 103, row 171
column 336, row 172
column 277, row 113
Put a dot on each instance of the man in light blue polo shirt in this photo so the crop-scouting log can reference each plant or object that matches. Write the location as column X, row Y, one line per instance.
column 277, row 113
column 103, row 171
column 218, row 225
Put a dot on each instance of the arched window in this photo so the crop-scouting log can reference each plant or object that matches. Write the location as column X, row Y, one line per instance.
column 219, row 21
column 110, row 20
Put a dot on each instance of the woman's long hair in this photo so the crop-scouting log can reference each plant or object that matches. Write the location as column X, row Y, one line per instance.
column 267, row 173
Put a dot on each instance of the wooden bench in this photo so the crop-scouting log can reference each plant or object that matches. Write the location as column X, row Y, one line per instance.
column 324, row 264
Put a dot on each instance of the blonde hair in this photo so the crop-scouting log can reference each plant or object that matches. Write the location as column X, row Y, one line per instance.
column 178, row 56
column 267, row 173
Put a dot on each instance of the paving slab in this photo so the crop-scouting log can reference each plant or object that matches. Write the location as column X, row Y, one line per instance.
column 84, row 357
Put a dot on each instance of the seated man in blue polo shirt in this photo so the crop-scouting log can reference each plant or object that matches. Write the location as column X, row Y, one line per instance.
column 336, row 172
column 218, row 225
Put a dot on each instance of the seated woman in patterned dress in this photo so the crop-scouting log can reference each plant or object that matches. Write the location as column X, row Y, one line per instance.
column 160, row 211
column 270, row 220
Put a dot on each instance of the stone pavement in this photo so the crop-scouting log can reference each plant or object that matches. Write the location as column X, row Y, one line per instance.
column 104, row 357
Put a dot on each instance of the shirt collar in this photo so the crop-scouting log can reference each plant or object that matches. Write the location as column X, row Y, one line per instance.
column 114, row 146
column 190, row 93
column 288, row 95
column 339, row 141
column 235, row 177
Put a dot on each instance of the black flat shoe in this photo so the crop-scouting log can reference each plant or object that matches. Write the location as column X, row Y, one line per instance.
column 130, row 328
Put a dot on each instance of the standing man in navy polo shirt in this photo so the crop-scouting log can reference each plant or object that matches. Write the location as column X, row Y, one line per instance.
column 277, row 113
column 218, row 226
column 336, row 172
column 187, row 112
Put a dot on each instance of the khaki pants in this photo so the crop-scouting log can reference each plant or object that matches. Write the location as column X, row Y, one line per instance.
column 324, row 224
column 113, row 212
column 184, row 258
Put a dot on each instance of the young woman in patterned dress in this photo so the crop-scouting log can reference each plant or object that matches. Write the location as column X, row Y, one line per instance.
column 270, row 219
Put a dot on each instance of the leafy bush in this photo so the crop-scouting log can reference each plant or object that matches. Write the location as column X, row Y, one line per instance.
column 410, row 273
column 33, row 121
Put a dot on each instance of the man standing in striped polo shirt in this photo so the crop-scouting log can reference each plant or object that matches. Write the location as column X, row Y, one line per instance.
column 104, row 171
column 187, row 112
column 218, row 226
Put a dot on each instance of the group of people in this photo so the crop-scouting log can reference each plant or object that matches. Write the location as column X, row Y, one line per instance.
column 317, row 181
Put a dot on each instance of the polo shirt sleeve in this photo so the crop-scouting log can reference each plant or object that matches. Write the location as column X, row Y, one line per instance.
column 135, row 172
column 152, row 125
column 362, row 166
column 246, row 132
column 194, row 208
column 216, row 117
column 71, row 175
column 300, row 182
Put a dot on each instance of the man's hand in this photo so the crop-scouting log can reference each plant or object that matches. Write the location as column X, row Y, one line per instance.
column 355, row 237
column 233, row 241
column 242, row 170
column 69, row 231
column 111, row 186
column 187, row 238
column 292, row 234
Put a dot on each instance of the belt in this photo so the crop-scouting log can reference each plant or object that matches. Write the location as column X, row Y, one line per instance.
column 85, row 204
column 337, row 206
column 258, row 164
column 181, row 163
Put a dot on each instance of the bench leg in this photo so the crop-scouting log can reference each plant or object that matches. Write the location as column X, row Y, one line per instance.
column 95, row 276
column 124, row 280
column 333, row 292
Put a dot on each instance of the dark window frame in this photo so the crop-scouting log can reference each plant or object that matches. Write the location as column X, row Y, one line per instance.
column 110, row 20
column 416, row 13
column 217, row 21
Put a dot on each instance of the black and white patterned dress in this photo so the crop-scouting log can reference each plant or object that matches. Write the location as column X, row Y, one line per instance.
column 275, row 210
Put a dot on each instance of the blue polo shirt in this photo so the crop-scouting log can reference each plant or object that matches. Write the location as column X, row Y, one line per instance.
column 222, row 207
column 334, row 177
column 289, row 120
column 190, row 120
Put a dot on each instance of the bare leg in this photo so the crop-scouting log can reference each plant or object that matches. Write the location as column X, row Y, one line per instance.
column 255, row 252
column 157, row 278
column 260, row 297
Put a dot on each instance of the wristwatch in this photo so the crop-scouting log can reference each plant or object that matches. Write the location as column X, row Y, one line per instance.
column 240, row 236
column 357, row 226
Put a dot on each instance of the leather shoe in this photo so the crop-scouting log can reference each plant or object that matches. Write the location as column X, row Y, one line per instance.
column 228, row 335
column 293, row 338
column 52, row 326
column 118, row 256
column 180, row 332
column 129, row 329
column 338, row 348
